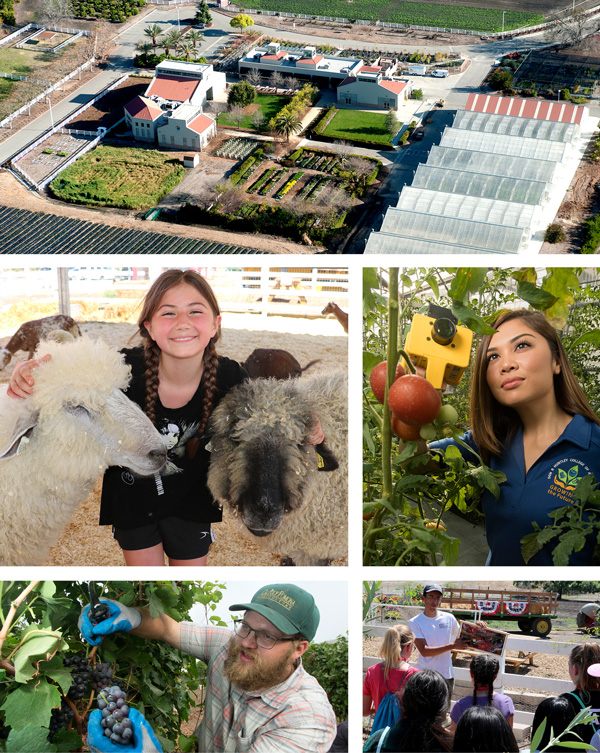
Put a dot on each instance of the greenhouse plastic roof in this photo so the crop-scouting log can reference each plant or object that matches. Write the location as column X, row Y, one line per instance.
column 461, row 207
column 487, row 186
column 526, row 108
column 382, row 243
column 500, row 144
column 493, row 164
column 511, row 126
column 449, row 230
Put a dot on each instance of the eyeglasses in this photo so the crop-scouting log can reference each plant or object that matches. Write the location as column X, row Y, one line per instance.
column 263, row 640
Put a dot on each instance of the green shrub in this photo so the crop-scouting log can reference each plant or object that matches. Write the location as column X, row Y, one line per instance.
column 417, row 94
column 48, row 151
column 500, row 80
column 554, row 233
column 591, row 235
column 242, row 94
column 328, row 663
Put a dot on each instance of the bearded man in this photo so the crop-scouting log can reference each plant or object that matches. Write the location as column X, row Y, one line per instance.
column 259, row 699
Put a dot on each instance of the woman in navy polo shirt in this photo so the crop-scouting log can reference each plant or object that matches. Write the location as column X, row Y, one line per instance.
column 531, row 420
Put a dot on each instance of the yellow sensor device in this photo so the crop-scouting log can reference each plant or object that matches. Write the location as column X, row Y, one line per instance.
column 438, row 345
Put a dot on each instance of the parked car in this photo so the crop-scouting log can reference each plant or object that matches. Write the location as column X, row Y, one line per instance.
column 439, row 73
column 418, row 134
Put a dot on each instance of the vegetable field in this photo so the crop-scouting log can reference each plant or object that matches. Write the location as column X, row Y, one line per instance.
column 409, row 13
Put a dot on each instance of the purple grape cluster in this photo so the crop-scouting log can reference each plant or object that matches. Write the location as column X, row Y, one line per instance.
column 80, row 674
column 115, row 715
column 59, row 718
column 101, row 676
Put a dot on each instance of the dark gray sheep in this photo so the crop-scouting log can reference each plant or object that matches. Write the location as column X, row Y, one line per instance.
column 264, row 470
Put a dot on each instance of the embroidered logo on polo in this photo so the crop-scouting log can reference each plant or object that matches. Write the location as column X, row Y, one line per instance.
column 280, row 597
column 564, row 477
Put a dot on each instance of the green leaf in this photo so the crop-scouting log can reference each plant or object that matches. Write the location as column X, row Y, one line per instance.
column 67, row 739
column 593, row 336
column 560, row 282
column 471, row 320
column 29, row 739
column 187, row 744
column 450, row 550
column 56, row 670
column 525, row 274
column 433, row 284
column 37, row 645
column 160, row 600
column 486, row 478
column 31, row 705
column 370, row 360
column 530, row 546
column 370, row 283
column 539, row 733
column 569, row 542
column 466, row 280
column 534, row 296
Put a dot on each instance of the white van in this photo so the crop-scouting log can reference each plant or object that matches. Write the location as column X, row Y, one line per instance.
column 439, row 73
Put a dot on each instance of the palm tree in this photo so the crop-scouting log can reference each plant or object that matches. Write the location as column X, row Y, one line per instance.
column 144, row 48
column 171, row 40
column 187, row 49
column 154, row 31
column 195, row 37
column 287, row 124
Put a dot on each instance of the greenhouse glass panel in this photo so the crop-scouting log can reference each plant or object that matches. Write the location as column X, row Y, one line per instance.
column 500, row 144
column 512, row 126
column 381, row 243
column 463, row 207
column 493, row 164
column 453, row 231
column 473, row 184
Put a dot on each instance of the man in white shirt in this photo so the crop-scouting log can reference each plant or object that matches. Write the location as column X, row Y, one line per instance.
column 436, row 635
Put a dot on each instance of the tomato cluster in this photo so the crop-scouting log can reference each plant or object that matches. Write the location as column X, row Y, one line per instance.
column 414, row 403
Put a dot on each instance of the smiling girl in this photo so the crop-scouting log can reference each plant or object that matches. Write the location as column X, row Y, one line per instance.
column 531, row 420
column 178, row 379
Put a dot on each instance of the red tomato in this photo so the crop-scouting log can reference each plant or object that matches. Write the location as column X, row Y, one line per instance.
column 378, row 377
column 414, row 400
column 404, row 431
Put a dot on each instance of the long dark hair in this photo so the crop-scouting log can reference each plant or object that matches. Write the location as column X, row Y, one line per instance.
column 484, row 668
column 558, row 712
column 484, row 728
column 494, row 424
column 167, row 280
column 425, row 700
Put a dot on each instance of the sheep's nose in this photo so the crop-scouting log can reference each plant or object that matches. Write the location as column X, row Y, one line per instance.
column 158, row 454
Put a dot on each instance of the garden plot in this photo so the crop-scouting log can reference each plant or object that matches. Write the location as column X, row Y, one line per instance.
column 542, row 70
column 51, row 154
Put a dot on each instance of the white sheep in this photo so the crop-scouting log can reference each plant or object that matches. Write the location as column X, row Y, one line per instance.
column 263, row 468
column 55, row 444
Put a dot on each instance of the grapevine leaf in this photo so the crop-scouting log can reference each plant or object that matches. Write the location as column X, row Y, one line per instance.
column 36, row 646
column 534, row 296
column 67, row 739
column 30, row 705
column 56, row 670
column 471, row 320
column 187, row 744
column 160, row 600
column 30, row 739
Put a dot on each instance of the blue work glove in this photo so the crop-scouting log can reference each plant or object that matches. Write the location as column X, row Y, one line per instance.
column 144, row 739
column 121, row 619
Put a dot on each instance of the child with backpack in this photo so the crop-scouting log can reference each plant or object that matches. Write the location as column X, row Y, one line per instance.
column 385, row 679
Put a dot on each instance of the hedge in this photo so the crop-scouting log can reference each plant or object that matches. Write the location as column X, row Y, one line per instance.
column 591, row 235
column 248, row 162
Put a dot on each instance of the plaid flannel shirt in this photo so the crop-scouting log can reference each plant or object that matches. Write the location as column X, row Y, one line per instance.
column 292, row 717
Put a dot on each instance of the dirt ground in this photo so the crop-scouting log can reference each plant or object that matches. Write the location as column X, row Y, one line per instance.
column 85, row 543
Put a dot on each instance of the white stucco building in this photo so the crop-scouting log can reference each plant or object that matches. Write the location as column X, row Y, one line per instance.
column 369, row 88
column 302, row 63
column 170, row 111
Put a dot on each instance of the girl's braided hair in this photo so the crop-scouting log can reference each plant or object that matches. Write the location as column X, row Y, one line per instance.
column 485, row 670
column 167, row 280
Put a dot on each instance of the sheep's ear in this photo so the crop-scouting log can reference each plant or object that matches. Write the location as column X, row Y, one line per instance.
column 15, row 441
column 326, row 460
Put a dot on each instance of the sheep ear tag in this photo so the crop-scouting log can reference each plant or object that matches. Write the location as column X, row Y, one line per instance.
column 326, row 460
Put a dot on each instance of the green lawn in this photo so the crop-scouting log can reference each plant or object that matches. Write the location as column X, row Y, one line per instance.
column 119, row 177
column 358, row 124
column 269, row 106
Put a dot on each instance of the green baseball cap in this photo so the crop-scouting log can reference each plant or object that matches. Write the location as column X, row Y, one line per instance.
column 289, row 608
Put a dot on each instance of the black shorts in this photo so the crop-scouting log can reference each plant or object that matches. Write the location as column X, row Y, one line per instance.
column 181, row 539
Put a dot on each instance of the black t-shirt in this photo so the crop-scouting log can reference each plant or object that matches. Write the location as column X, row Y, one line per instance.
column 130, row 501
column 589, row 699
